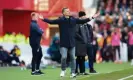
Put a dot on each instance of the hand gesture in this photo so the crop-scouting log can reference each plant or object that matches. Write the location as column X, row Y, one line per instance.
column 41, row 16
column 96, row 15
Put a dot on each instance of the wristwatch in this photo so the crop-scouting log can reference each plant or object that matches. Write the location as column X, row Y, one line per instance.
column 92, row 17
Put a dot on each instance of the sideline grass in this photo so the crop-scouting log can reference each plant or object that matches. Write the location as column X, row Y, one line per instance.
column 107, row 71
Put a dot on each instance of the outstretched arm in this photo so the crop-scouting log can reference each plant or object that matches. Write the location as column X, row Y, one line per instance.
column 56, row 21
column 82, row 21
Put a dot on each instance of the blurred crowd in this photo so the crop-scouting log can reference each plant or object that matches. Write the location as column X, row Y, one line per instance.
column 10, row 58
column 114, row 27
column 14, row 38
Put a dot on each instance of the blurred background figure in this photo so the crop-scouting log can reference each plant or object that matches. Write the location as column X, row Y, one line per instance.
column 130, row 44
column 54, row 51
column 107, row 51
column 15, row 54
column 4, row 57
column 23, row 65
column 116, row 37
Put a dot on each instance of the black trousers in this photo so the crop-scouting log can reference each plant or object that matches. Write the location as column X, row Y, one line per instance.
column 108, row 53
column 80, row 64
column 36, row 56
column 90, row 56
column 131, row 51
column 95, row 48
column 114, row 49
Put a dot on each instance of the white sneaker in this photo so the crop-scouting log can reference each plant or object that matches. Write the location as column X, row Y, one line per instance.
column 62, row 74
column 132, row 62
column 73, row 75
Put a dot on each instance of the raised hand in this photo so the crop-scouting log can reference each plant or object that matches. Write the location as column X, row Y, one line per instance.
column 96, row 15
column 41, row 16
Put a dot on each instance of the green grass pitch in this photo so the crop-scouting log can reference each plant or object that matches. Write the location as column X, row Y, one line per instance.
column 107, row 71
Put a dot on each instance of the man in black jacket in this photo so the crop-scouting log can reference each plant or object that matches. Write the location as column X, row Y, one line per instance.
column 84, row 39
column 35, row 37
column 67, row 25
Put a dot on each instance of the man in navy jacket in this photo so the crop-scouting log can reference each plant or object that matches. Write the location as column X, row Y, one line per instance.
column 35, row 37
column 67, row 25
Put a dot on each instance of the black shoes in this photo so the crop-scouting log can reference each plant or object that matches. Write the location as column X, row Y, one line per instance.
column 93, row 72
column 37, row 73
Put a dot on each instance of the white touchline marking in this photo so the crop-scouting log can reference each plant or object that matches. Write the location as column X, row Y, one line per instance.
column 126, row 77
column 104, row 73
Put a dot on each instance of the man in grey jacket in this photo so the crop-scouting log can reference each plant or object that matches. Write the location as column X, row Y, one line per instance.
column 84, row 38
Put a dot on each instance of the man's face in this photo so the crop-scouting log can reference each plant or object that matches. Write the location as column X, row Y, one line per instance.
column 66, row 12
column 36, row 17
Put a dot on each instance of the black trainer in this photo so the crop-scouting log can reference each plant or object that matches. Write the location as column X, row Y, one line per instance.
column 40, row 72
column 93, row 72
column 35, row 73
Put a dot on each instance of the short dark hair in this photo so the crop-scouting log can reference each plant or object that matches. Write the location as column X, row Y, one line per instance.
column 81, row 13
column 63, row 9
column 33, row 14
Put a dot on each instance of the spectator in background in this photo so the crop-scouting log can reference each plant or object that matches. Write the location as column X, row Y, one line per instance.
column 130, row 21
column 108, row 48
column 130, row 9
column 54, row 49
column 102, row 8
column 15, row 53
column 120, row 22
column 108, row 19
column 116, row 11
column 124, row 34
column 123, row 3
column 117, row 3
column 109, row 6
column 115, row 17
column 104, row 25
column 130, row 44
column 100, row 41
column 23, row 65
column 4, row 56
column 123, row 11
column 116, row 36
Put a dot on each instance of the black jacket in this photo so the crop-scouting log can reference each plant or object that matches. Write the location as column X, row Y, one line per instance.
column 84, row 36
column 67, row 29
column 35, row 33
column 84, row 33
